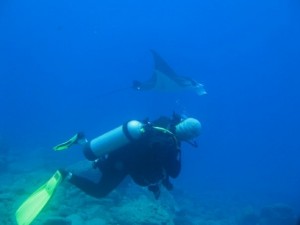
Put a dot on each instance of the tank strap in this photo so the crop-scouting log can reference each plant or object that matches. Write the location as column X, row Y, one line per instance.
column 166, row 131
column 126, row 131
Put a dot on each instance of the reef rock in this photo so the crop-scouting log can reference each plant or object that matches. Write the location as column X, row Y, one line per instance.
column 278, row 214
column 142, row 211
column 57, row 221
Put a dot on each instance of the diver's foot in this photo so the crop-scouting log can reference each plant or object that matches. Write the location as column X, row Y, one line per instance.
column 65, row 174
column 80, row 138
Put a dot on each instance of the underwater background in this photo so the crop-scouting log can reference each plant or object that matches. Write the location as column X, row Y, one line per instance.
column 68, row 66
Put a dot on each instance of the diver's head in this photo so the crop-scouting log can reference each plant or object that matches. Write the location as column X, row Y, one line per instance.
column 188, row 129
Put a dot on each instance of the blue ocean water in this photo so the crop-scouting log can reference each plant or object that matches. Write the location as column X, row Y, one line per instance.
column 67, row 66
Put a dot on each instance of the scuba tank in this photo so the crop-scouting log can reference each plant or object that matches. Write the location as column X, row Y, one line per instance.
column 114, row 139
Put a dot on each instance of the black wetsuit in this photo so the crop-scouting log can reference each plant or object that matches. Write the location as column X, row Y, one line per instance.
column 150, row 160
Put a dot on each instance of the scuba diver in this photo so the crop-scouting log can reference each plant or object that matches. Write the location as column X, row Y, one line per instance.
column 149, row 152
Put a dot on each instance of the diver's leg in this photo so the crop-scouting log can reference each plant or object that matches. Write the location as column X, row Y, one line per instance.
column 108, row 182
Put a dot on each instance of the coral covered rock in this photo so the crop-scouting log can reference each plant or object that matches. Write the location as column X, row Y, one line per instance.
column 57, row 221
column 142, row 211
column 278, row 214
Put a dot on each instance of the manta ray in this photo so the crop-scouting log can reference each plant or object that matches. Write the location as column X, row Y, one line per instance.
column 164, row 78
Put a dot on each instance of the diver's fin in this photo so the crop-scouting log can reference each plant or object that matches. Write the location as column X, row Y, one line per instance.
column 76, row 139
column 33, row 205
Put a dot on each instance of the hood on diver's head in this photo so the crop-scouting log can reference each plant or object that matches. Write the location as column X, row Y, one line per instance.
column 188, row 129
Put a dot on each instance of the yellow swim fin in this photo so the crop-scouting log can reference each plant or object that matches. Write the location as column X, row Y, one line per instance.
column 31, row 208
column 76, row 139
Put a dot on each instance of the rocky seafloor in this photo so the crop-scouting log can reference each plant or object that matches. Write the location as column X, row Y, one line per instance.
column 128, row 205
